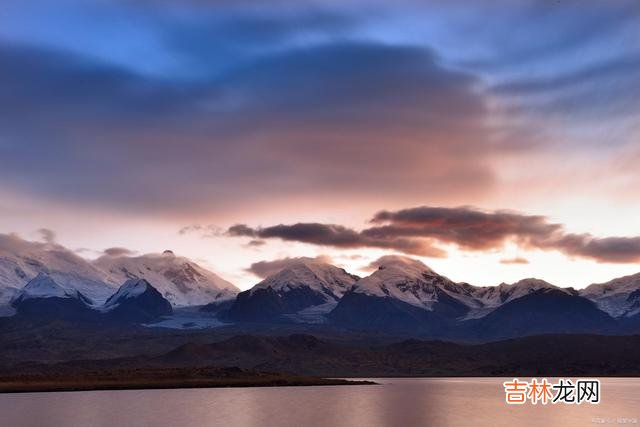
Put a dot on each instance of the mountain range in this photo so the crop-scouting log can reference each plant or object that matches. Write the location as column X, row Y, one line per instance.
column 180, row 280
column 136, row 301
column 402, row 297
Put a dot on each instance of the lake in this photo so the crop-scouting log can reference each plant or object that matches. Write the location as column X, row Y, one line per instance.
column 395, row 402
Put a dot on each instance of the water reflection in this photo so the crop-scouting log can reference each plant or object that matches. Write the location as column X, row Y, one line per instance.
column 396, row 402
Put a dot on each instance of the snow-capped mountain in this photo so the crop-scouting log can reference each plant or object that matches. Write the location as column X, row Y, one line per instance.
column 22, row 260
column 619, row 297
column 302, row 291
column 410, row 281
column 492, row 297
column 137, row 300
column 547, row 310
column 132, row 288
column 404, row 296
column 178, row 279
column 327, row 280
column 43, row 286
column 42, row 298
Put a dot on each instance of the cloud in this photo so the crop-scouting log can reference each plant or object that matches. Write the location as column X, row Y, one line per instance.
column 264, row 269
column 48, row 236
column 385, row 259
column 13, row 244
column 210, row 230
column 205, row 108
column 218, row 39
column 617, row 68
column 604, row 249
column 337, row 236
column 605, row 89
column 569, row 29
column 514, row 260
column 420, row 230
column 118, row 252
column 466, row 227
column 319, row 113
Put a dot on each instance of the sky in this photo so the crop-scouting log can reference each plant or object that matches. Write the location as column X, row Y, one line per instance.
column 494, row 140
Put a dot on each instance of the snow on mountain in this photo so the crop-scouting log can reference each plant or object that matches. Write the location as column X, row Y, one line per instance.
column 137, row 301
column 327, row 279
column 178, row 279
column 22, row 260
column 42, row 286
column 303, row 291
column 132, row 288
column 619, row 297
column 412, row 282
column 492, row 297
column 42, row 299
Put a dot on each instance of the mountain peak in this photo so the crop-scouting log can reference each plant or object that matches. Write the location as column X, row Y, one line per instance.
column 401, row 262
column 306, row 262
column 493, row 296
column 137, row 300
column 43, row 286
column 180, row 280
column 304, row 289
column 312, row 273
column 133, row 287
column 614, row 296
column 394, row 269
column 130, row 289
column 411, row 281
column 623, row 284
column 532, row 282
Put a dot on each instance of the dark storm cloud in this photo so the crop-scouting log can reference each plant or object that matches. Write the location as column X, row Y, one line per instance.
column 419, row 230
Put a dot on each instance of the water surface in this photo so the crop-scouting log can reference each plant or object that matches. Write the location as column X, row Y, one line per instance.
column 395, row 402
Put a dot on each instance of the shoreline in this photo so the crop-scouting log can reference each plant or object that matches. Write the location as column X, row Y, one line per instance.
column 158, row 378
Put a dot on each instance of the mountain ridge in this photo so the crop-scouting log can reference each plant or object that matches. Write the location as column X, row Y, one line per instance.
column 403, row 295
column 179, row 279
